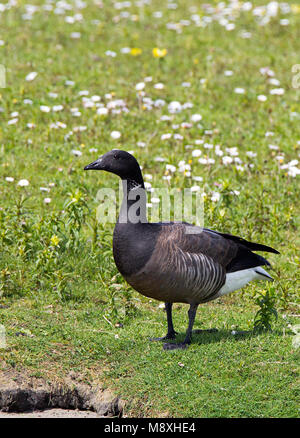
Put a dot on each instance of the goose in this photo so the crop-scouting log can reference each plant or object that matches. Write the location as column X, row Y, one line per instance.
column 167, row 261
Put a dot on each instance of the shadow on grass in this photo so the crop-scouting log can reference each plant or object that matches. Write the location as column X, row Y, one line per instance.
column 223, row 335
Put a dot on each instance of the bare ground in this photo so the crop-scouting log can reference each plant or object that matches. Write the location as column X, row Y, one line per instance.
column 25, row 396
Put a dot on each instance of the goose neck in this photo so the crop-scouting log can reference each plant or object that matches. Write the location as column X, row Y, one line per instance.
column 134, row 204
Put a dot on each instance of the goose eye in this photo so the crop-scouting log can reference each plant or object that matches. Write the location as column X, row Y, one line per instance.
column 116, row 157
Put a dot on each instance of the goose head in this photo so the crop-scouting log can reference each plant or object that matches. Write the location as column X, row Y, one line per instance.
column 120, row 163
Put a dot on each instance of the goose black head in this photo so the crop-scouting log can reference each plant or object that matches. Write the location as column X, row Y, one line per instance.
column 120, row 163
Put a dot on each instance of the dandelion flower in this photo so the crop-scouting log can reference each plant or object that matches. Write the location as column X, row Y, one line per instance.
column 159, row 53
column 135, row 51
column 55, row 240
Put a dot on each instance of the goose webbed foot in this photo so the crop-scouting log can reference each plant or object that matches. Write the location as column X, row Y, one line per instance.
column 188, row 336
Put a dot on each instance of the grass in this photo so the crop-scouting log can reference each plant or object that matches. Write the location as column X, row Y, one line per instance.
column 59, row 285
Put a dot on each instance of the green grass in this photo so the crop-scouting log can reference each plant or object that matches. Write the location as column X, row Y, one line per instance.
column 59, row 285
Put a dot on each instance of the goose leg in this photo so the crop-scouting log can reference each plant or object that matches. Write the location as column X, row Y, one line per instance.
column 171, row 332
column 188, row 336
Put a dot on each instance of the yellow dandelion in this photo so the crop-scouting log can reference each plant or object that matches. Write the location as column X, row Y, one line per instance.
column 135, row 51
column 159, row 53
column 55, row 240
column 295, row 8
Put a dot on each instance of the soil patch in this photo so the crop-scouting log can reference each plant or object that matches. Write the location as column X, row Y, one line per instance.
column 20, row 393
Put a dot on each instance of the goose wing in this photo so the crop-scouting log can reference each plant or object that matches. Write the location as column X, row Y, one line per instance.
column 189, row 264
column 232, row 252
column 192, row 264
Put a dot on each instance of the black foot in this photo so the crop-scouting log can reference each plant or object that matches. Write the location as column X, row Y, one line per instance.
column 179, row 346
column 165, row 338
column 198, row 332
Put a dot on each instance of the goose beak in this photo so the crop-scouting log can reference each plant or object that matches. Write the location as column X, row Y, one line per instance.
column 95, row 165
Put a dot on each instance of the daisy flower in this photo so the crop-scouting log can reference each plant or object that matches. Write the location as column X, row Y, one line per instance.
column 196, row 118
column 239, row 90
column 31, row 76
column 23, row 183
column 115, row 135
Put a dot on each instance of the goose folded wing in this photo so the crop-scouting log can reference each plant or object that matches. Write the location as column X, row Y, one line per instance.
column 231, row 252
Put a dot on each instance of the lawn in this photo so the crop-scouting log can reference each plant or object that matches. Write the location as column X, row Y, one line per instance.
column 206, row 96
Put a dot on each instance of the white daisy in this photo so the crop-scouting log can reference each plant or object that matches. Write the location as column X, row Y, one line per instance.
column 196, row 118
column 23, row 183
column 115, row 135
column 31, row 76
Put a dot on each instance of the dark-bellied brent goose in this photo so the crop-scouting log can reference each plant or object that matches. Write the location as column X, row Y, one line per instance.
column 165, row 262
